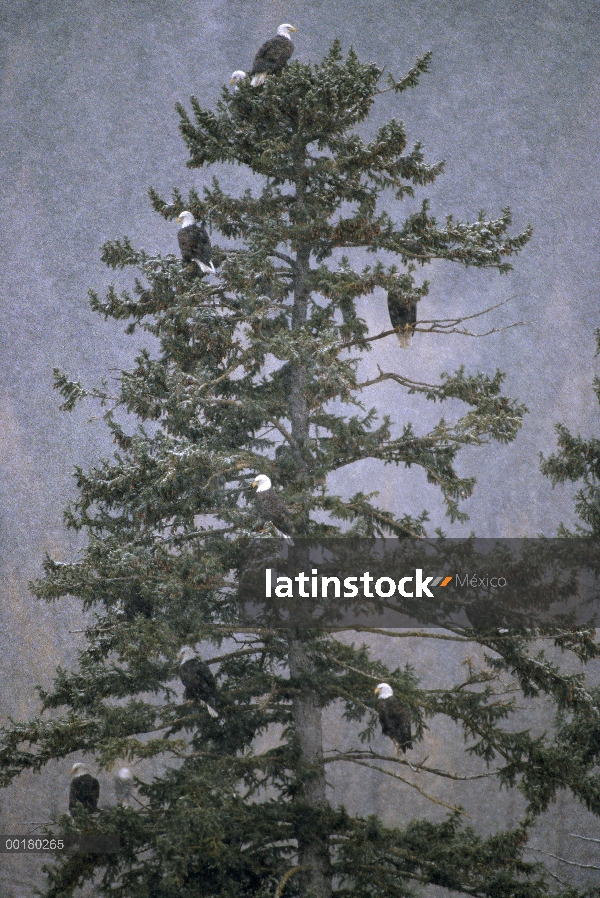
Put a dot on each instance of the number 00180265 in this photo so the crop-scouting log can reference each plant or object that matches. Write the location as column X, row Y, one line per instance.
column 30, row 843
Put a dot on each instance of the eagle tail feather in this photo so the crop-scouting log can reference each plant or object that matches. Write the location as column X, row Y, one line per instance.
column 210, row 710
column 259, row 79
column 405, row 338
column 282, row 534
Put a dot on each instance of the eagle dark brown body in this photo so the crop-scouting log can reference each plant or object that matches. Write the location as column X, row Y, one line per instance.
column 199, row 684
column 393, row 717
column 194, row 244
column 403, row 315
column 271, row 507
column 84, row 793
column 395, row 722
column 272, row 56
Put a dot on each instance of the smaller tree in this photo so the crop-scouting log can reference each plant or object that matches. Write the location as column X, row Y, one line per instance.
column 578, row 461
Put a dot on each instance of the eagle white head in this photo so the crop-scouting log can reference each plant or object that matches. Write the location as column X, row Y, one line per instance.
column 237, row 76
column 261, row 483
column 284, row 31
column 384, row 690
column 186, row 653
column 79, row 770
column 123, row 784
column 186, row 219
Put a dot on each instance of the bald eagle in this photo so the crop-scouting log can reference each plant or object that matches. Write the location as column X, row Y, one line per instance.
column 271, row 506
column 194, row 243
column 123, row 784
column 135, row 604
column 394, row 718
column 272, row 56
column 403, row 316
column 85, row 789
column 200, row 685
column 236, row 77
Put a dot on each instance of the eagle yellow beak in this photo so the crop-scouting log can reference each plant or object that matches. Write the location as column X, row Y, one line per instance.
column 293, row 29
column 376, row 690
column 178, row 218
column 231, row 81
column 254, row 483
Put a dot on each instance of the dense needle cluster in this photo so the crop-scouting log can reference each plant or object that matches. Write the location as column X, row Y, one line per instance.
column 257, row 371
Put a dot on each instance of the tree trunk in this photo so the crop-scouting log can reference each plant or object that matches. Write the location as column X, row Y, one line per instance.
column 313, row 852
column 313, row 849
column 298, row 403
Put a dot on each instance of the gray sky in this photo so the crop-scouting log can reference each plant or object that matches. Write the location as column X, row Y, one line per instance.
column 88, row 125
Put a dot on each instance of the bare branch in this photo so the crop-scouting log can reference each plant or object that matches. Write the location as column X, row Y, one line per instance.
column 291, row 262
column 37, row 826
column 564, row 860
column 354, row 669
column 485, row 311
column 224, row 376
column 402, row 779
column 210, row 400
column 465, row 333
column 556, row 878
column 441, row 326
column 404, row 634
column 283, row 431
column 419, row 767
column 398, row 378
column 284, row 879
column 220, row 658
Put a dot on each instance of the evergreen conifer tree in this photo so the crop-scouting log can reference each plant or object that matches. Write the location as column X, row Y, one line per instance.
column 254, row 371
column 578, row 460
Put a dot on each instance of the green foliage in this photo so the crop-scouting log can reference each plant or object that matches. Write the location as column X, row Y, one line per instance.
column 578, row 460
column 257, row 370
column 389, row 862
